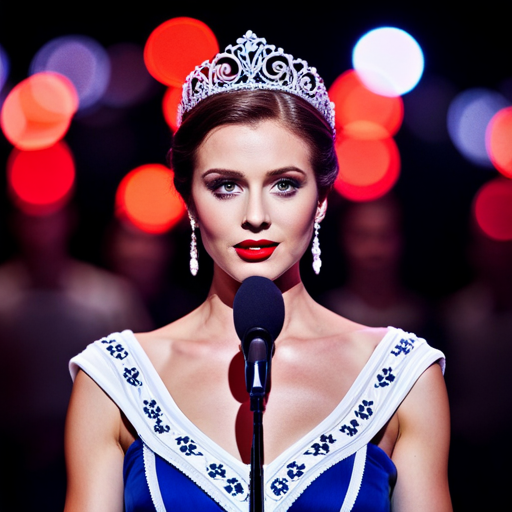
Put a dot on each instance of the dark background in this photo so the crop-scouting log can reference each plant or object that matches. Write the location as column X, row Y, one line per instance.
column 469, row 47
column 466, row 46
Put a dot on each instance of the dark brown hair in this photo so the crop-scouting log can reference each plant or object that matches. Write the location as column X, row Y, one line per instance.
column 251, row 107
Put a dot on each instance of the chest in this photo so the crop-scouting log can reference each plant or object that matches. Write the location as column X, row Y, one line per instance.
column 305, row 389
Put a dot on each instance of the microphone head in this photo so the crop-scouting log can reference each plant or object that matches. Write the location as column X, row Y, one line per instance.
column 258, row 304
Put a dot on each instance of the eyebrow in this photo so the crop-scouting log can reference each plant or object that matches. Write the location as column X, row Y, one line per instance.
column 237, row 174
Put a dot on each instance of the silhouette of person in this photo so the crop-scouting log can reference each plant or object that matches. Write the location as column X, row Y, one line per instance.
column 51, row 306
column 477, row 324
column 371, row 240
column 146, row 260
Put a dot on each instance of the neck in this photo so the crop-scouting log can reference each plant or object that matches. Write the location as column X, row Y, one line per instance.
column 219, row 304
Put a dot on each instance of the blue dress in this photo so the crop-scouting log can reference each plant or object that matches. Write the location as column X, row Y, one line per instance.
column 173, row 466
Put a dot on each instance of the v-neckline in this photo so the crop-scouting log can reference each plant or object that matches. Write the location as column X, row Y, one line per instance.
column 222, row 454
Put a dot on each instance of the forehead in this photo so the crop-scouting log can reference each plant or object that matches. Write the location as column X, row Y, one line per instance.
column 266, row 145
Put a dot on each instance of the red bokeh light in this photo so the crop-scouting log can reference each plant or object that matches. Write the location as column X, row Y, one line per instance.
column 492, row 209
column 368, row 168
column 361, row 113
column 41, row 181
column 147, row 198
column 172, row 98
column 176, row 46
column 499, row 141
column 38, row 111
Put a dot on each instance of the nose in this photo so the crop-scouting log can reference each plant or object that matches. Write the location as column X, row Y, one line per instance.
column 256, row 216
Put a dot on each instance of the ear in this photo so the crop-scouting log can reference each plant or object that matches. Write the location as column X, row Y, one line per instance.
column 321, row 210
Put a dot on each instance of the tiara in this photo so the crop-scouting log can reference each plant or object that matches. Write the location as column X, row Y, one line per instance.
column 253, row 64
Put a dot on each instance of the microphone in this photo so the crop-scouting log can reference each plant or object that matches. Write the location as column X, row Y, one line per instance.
column 258, row 314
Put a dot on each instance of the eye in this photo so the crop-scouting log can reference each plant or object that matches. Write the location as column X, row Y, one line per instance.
column 286, row 186
column 223, row 189
column 228, row 187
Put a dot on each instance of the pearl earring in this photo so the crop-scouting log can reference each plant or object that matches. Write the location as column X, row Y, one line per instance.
column 194, row 263
column 315, row 250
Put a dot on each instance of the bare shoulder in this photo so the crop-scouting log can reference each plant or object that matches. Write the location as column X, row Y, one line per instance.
column 343, row 336
column 160, row 344
column 341, row 326
column 371, row 336
column 89, row 402
column 421, row 450
column 94, row 456
column 428, row 396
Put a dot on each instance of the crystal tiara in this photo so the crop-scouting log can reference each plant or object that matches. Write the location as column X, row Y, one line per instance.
column 253, row 64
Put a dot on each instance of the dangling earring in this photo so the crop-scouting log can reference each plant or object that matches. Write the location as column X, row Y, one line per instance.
column 194, row 263
column 315, row 250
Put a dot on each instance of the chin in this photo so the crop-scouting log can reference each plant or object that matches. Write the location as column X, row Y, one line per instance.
column 264, row 269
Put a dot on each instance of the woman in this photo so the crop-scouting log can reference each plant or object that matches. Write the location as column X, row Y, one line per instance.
column 350, row 407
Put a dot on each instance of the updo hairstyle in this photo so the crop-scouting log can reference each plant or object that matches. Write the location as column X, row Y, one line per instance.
column 251, row 107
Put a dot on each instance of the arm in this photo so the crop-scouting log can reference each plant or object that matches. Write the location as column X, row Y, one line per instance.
column 94, row 457
column 421, row 450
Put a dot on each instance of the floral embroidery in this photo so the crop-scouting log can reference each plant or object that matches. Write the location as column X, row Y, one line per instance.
column 279, row 486
column 216, row 470
column 234, row 487
column 131, row 376
column 321, row 448
column 187, row 446
column 117, row 351
column 153, row 412
column 385, row 378
column 350, row 430
column 289, row 476
column 295, row 471
column 364, row 411
column 403, row 347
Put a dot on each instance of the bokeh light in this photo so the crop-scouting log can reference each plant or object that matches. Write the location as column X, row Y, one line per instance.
column 130, row 83
column 368, row 168
column 360, row 112
column 4, row 67
column 146, row 197
column 171, row 100
column 492, row 209
column 176, row 47
column 81, row 59
column 38, row 111
column 389, row 61
column 499, row 141
column 41, row 181
column 468, row 117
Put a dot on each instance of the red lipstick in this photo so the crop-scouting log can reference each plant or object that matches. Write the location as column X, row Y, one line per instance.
column 255, row 250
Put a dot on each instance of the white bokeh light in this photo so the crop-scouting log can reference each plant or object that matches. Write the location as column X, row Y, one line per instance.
column 389, row 61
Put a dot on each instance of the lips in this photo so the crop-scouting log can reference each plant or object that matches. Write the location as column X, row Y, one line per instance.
column 255, row 250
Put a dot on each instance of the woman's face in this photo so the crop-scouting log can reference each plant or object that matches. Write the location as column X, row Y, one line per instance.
column 255, row 198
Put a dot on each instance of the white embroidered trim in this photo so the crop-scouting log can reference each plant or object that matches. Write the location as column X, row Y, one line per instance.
column 355, row 480
column 110, row 372
column 152, row 479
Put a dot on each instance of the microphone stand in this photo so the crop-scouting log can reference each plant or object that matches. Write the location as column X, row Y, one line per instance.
column 256, row 496
column 257, row 371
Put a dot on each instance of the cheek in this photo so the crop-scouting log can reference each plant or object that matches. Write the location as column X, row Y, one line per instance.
column 217, row 222
column 297, row 224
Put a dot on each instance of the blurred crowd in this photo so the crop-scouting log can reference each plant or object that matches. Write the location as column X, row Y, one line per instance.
column 52, row 305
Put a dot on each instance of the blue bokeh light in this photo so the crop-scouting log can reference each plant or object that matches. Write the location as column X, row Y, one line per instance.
column 468, row 117
column 81, row 59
